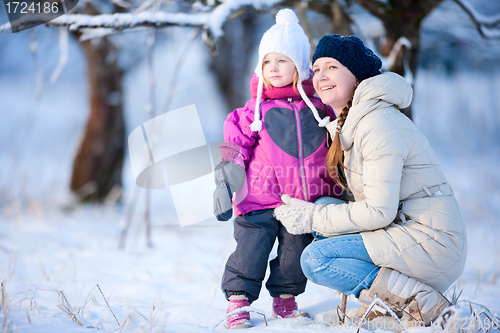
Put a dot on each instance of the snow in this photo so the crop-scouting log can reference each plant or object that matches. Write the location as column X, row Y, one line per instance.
column 488, row 20
column 213, row 21
column 172, row 287
column 387, row 62
column 52, row 250
column 221, row 14
column 488, row 23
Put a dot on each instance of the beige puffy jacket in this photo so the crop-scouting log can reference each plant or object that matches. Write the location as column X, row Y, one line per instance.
column 392, row 164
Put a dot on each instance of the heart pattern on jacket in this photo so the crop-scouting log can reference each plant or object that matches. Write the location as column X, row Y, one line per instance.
column 279, row 123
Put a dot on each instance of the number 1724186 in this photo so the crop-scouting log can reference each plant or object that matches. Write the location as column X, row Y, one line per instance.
column 31, row 8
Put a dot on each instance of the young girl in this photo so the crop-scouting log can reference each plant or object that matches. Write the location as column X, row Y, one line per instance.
column 276, row 144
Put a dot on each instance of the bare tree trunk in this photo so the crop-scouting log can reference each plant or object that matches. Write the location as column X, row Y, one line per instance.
column 341, row 20
column 401, row 18
column 97, row 166
column 232, row 61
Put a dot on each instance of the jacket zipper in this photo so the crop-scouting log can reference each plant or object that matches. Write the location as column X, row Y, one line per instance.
column 301, row 149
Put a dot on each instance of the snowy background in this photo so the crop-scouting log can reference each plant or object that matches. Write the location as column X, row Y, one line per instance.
column 52, row 250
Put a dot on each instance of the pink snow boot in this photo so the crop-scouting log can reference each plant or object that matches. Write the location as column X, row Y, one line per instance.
column 285, row 306
column 241, row 319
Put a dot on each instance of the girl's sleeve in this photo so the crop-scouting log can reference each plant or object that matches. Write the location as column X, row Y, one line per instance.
column 383, row 154
column 239, row 138
column 329, row 112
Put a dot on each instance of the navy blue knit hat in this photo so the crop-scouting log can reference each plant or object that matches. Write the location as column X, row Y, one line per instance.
column 350, row 52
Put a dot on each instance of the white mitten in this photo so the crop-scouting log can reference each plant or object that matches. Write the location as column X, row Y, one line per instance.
column 296, row 215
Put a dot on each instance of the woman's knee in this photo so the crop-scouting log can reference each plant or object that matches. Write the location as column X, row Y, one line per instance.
column 328, row 201
column 310, row 259
column 305, row 259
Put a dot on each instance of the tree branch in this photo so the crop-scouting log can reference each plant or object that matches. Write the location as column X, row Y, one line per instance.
column 376, row 8
column 479, row 20
column 305, row 24
column 211, row 22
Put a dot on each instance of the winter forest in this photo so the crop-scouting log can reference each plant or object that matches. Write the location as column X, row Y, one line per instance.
column 83, row 247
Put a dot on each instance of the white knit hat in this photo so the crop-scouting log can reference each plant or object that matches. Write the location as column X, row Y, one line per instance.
column 286, row 37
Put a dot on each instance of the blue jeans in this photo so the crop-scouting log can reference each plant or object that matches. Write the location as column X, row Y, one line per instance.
column 340, row 262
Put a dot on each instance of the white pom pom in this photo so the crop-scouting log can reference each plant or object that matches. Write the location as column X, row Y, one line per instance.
column 256, row 126
column 286, row 16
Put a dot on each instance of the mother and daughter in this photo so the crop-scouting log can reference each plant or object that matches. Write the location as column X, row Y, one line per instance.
column 402, row 240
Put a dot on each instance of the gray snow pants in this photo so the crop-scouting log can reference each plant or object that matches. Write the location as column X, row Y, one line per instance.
column 255, row 234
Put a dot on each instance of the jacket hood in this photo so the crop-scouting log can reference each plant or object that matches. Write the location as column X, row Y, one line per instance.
column 389, row 87
column 283, row 92
column 381, row 91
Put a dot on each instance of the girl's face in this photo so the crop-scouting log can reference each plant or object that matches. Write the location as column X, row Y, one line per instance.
column 278, row 69
column 334, row 83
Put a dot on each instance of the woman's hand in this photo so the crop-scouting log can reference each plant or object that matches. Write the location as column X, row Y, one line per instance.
column 296, row 215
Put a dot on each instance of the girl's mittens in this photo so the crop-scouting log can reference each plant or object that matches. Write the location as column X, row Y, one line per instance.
column 228, row 177
column 296, row 215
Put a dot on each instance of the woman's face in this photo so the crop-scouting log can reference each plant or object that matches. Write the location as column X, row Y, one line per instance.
column 334, row 83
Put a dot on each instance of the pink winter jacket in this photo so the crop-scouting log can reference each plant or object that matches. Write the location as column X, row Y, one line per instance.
column 287, row 156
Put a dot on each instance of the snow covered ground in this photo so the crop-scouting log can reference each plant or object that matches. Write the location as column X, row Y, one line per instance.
column 54, row 255
column 172, row 287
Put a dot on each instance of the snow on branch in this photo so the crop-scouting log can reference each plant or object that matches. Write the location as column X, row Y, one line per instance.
column 119, row 21
column 487, row 26
column 212, row 21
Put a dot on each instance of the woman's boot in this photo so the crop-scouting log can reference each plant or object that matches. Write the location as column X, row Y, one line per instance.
column 366, row 301
column 420, row 300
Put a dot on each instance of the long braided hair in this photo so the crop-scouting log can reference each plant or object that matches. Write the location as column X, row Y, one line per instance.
column 335, row 155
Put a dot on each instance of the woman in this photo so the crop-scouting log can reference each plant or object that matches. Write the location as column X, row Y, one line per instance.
column 403, row 238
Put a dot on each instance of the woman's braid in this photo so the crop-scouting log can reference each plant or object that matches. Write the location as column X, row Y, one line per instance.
column 335, row 155
column 343, row 114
